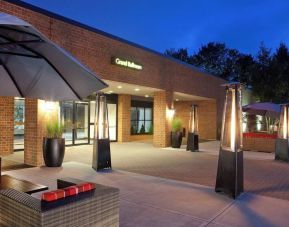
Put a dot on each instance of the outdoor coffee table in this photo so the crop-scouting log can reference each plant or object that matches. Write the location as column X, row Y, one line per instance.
column 20, row 185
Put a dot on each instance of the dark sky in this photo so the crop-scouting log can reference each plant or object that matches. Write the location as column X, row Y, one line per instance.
column 163, row 24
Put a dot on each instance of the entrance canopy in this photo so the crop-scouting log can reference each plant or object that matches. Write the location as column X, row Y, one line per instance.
column 33, row 66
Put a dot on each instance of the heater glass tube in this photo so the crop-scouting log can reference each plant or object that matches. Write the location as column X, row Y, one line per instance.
column 231, row 136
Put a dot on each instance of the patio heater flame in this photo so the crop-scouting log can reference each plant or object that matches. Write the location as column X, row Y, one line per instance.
column 233, row 122
column 231, row 138
column 193, row 137
column 101, row 143
column 284, row 124
column 230, row 165
column 282, row 144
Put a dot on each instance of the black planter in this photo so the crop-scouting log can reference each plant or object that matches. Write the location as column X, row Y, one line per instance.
column 176, row 138
column 53, row 151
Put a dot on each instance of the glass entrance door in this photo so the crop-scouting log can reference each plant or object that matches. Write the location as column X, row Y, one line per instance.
column 74, row 118
column 67, row 121
column 81, row 123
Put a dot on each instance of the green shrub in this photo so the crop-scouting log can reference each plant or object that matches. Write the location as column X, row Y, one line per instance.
column 177, row 125
column 54, row 130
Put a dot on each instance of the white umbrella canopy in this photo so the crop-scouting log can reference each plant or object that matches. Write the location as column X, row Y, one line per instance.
column 33, row 66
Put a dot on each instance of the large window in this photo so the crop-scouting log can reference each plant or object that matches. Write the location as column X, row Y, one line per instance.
column 141, row 118
column 19, row 113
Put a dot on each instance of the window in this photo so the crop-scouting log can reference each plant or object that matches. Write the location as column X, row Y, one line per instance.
column 19, row 118
column 141, row 120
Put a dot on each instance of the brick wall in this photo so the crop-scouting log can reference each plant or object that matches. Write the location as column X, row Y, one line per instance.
column 6, row 125
column 36, row 117
column 162, row 102
column 95, row 51
column 207, row 116
column 124, row 103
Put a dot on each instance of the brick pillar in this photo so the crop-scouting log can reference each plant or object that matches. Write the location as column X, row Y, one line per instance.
column 36, row 117
column 162, row 102
column 6, row 125
column 207, row 113
column 124, row 104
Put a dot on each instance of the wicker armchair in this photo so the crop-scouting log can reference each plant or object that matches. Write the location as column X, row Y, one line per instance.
column 99, row 207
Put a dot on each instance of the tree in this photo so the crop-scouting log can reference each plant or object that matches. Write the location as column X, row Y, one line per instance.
column 266, row 74
column 181, row 54
column 280, row 70
column 215, row 59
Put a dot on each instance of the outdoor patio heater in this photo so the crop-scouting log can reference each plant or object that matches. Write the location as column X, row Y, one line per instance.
column 281, row 144
column 101, row 144
column 193, row 135
column 230, row 165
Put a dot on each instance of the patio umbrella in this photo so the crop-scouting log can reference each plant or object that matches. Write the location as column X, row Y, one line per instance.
column 33, row 66
column 267, row 109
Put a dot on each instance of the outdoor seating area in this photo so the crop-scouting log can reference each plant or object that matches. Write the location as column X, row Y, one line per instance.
column 263, row 142
column 99, row 130
column 97, row 206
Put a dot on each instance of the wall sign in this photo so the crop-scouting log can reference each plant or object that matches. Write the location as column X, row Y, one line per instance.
column 126, row 63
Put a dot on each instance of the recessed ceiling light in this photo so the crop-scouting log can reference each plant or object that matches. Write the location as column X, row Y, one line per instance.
column 177, row 100
column 110, row 91
column 119, row 87
column 136, row 89
column 147, row 96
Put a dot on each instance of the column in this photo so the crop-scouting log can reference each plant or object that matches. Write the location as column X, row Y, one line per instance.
column 207, row 114
column 37, row 114
column 162, row 102
column 124, row 104
column 6, row 125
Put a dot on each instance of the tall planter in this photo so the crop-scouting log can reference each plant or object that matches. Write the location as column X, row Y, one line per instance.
column 53, row 151
column 177, row 139
column 176, row 135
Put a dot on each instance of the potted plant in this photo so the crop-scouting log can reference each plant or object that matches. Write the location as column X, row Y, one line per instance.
column 53, row 145
column 177, row 133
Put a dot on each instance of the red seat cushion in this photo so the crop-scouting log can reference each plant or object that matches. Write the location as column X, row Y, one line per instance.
column 86, row 186
column 69, row 191
column 72, row 190
column 53, row 195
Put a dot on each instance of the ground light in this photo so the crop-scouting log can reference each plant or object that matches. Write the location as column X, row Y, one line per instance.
column 230, row 179
column 101, row 144
column 281, row 144
column 193, row 135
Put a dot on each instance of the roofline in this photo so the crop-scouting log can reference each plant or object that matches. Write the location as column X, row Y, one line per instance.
column 98, row 31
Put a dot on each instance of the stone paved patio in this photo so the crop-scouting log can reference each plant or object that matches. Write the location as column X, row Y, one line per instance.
column 153, row 201
column 263, row 175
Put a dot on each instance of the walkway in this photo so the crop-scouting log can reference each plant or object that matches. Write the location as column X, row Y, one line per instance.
column 263, row 175
column 157, row 202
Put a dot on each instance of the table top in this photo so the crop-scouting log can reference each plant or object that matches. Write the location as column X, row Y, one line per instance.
column 20, row 185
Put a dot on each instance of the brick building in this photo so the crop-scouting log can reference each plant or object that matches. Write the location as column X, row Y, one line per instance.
column 143, row 86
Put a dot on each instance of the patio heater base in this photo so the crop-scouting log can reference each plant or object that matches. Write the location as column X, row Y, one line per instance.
column 230, row 179
column 101, row 154
column 193, row 142
column 282, row 149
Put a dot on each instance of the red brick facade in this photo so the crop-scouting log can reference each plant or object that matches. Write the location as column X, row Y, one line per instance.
column 123, row 132
column 6, row 125
column 95, row 49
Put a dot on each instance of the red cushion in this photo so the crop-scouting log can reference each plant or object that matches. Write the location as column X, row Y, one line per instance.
column 53, row 195
column 72, row 190
column 69, row 191
column 87, row 186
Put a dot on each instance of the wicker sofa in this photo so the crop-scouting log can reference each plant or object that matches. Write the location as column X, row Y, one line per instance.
column 99, row 207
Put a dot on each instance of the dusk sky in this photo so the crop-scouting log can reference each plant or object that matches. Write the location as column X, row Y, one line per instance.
column 164, row 24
